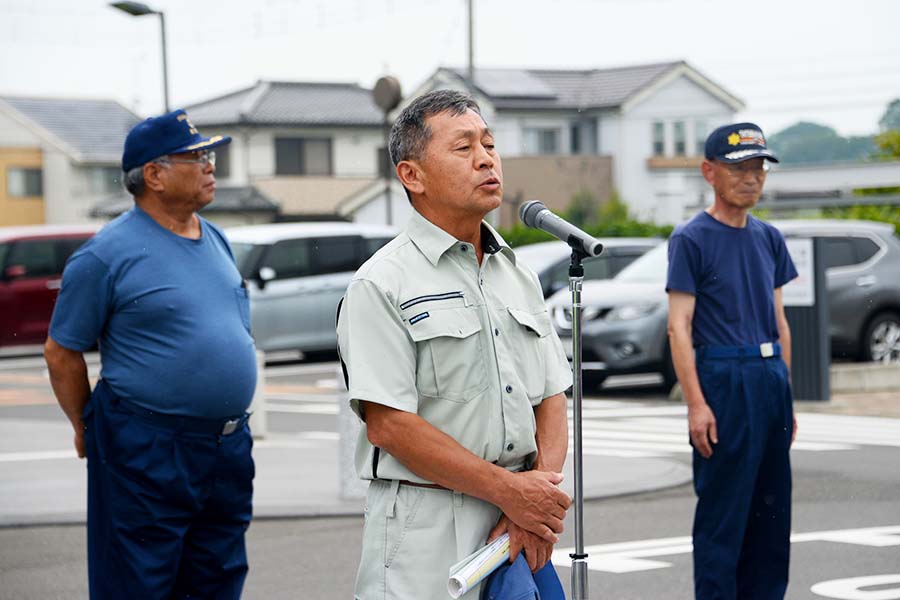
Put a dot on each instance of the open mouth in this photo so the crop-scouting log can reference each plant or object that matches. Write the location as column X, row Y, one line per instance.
column 490, row 183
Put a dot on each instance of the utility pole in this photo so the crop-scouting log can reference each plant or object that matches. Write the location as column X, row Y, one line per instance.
column 471, row 41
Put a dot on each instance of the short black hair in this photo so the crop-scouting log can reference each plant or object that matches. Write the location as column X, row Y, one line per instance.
column 409, row 134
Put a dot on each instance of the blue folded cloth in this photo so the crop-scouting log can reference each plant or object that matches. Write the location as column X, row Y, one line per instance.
column 516, row 582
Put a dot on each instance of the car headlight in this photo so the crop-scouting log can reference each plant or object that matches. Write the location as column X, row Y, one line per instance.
column 628, row 312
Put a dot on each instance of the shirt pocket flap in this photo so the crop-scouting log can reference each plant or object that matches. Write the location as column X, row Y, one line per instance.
column 453, row 322
column 538, row 322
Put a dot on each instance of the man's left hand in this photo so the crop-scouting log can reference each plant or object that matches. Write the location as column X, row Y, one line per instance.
column 537, row 549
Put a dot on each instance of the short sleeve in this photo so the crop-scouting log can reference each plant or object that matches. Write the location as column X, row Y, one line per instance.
column 785, row 270
column 83, row 304
column 684, row 265
column 559, row 372
column 379, row 354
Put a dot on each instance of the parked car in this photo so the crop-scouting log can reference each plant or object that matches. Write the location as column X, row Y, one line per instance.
column 550, row 260
column 297, row 274
column 624, row 328
column 32, row 258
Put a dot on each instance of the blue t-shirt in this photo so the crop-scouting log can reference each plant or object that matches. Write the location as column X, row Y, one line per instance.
column 170, row 313
column 733, row 273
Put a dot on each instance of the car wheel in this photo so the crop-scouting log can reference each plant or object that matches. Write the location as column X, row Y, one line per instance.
column 592, row 380
column 881, row 340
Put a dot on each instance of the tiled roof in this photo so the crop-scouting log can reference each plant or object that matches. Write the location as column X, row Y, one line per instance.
column 228, row 199
column 291, row 103
column 555, row 88
column 93, row 130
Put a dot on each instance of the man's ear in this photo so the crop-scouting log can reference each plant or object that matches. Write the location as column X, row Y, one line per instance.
column 410, row 175
column 709, row 172
column 153, row 177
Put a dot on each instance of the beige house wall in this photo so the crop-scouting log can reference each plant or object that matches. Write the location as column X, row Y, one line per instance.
column 14, row 210
column 553, row 180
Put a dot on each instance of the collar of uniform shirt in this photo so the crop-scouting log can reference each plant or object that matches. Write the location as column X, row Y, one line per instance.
column 433, row 241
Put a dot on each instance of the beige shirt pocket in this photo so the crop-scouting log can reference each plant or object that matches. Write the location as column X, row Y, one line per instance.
column 528, row 336
column 450, row 357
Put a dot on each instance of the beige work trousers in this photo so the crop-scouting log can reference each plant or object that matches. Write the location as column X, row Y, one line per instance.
column 412, row 537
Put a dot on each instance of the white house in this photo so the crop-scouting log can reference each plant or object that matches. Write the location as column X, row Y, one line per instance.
column 58, row 156
column 651, row 119
column 313, row 148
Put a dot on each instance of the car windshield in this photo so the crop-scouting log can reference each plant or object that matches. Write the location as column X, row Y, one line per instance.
column 649, row 268
column 540, row 256
column 245, row 255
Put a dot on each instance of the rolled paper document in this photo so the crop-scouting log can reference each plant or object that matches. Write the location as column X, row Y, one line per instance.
column 468, row 572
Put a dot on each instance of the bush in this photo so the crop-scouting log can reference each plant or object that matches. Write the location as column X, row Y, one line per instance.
column 884, row 214
column 611, row 220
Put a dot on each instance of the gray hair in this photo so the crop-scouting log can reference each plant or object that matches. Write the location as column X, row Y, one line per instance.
column 134, row 181
column 410, row 134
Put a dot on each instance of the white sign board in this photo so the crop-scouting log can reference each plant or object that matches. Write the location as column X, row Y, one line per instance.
column 802, row 290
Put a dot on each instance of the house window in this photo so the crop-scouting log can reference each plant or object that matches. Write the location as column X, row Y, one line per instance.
column 104, row 180
column 700, row 133
column 541, row 141
column 223, row 161
column 24, row 182
column 575, row 137
column 302, row 156
column 659, row 138
column 678, row 134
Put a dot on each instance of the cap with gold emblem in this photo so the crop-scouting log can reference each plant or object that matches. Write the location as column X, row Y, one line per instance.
column 170, row 133
column 736, row 143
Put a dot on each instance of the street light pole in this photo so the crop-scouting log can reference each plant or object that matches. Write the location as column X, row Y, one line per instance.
column 138, row 9
column 387, row 95
column 165, row 62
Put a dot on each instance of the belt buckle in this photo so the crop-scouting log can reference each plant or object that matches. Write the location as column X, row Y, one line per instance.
column 767, row 350
column 230, row 426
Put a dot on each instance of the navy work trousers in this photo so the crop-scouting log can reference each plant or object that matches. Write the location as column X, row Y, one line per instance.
column 167, row 510
column 742, row 522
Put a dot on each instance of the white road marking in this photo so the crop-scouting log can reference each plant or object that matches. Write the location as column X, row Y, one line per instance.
column 852, row 588
column 628, row 557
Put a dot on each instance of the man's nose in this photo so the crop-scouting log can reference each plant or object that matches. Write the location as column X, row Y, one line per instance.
column 483, row 159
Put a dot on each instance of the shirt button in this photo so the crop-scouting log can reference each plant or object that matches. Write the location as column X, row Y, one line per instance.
column 463, row 247
column 510, row 447
column 509, row 389
column 496, row 332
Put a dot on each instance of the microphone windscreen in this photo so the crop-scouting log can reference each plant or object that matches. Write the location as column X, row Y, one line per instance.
column 529, row 211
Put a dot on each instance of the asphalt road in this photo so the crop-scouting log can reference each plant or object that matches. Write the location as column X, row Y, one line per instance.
column 846, row 520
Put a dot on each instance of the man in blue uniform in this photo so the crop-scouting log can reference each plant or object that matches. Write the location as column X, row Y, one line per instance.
column 731, row 349
column 170, row 476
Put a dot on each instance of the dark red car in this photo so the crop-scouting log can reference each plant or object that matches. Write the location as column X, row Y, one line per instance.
column 32, row 258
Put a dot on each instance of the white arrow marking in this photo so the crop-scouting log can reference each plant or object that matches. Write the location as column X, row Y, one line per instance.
column 626, row 557
column 851, row 589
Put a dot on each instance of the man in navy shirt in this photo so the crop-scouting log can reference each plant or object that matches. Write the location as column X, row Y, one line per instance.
column 731, row 348
column 170, row 475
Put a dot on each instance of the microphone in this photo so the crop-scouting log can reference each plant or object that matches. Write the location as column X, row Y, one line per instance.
column 535, row 214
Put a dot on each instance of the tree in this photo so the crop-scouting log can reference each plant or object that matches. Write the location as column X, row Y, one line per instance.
column 890, row 120
column 811, row 142
column 888, row 143
column 582, row 209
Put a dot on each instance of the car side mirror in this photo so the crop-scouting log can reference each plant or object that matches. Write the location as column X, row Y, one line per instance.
column 265, row 275
column 14, row 272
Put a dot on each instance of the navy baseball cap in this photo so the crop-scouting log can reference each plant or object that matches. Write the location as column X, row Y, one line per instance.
column 170, row 133
column 736, row 143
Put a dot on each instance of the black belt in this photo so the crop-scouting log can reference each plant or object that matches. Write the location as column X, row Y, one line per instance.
column 219, row 426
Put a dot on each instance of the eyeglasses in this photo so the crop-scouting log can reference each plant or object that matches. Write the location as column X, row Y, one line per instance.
column 205, row 157
column 742, row 168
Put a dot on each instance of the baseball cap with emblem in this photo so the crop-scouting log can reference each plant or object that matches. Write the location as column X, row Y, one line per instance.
column 170, row 133
column 736, row 143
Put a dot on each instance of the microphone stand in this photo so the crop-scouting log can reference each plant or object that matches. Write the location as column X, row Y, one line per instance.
column 579, row 558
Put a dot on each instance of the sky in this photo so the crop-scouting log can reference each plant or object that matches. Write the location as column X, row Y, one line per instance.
column 834, row 62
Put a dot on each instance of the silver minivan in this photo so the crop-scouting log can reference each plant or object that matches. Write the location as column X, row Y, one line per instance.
column 296, row 274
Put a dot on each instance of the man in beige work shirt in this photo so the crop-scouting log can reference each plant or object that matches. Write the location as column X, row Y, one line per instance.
column 453, row 368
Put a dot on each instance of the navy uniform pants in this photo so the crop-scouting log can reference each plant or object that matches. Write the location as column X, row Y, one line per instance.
column 167, row 506
column 742, row 522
